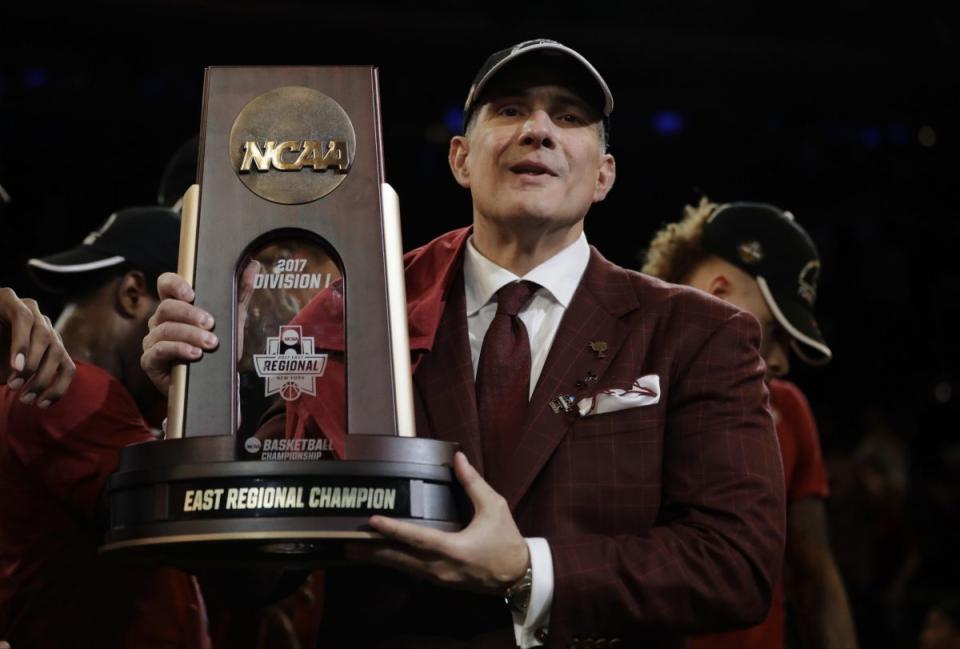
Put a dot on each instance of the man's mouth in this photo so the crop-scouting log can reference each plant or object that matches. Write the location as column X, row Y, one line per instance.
column 532, row 169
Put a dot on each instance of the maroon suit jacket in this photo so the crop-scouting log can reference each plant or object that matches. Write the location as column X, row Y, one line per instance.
column 662, row 519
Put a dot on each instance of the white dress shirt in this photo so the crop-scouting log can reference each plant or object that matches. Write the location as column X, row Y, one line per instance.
column 559, row 278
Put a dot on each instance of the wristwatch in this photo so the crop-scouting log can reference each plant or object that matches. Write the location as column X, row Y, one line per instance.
column 518, row 593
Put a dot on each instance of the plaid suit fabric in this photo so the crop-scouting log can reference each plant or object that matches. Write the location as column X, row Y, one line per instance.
column 667, row 516
column 661, row 520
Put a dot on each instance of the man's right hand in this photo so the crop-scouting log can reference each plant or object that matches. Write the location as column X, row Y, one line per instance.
column 179, row 331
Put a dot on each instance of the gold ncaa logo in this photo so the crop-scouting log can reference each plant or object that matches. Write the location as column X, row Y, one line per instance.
column 292, row 145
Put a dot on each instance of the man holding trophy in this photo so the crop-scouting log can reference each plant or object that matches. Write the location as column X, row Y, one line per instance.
column 616, row 443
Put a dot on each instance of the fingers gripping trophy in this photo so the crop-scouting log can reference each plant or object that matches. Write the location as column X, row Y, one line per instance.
column 282, row 340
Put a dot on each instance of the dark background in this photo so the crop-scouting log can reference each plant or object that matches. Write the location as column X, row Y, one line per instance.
column 845, row 114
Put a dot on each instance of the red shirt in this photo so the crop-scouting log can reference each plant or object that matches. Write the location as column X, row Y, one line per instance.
column 805, row 477
column 54, row 589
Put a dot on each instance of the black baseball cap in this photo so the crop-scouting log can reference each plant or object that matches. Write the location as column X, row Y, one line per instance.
column 142, row 238
column 770, row 245
column 552, row 52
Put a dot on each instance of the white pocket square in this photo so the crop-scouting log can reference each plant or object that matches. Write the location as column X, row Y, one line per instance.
column 645, row 391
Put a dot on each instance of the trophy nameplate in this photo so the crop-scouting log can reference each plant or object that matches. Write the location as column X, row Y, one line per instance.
column 290, row 177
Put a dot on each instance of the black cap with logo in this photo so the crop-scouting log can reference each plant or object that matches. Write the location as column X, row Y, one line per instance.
column 771, row 246
column 552, row 53
column 143, row 238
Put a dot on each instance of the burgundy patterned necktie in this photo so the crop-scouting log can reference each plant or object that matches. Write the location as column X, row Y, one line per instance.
column 503, row 380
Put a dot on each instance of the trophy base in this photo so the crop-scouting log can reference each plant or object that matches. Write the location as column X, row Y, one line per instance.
column 188, row 503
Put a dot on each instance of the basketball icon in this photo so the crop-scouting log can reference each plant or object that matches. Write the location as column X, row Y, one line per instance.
column 290, row 390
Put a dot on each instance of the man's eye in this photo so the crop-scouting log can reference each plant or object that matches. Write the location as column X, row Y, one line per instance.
column 572, row 118
column 509, row 111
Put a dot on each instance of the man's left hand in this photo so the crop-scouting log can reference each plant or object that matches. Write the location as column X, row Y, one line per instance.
column 487, row 556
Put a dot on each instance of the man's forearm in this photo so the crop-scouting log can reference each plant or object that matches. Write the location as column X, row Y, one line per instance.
column 823, row 609
column 824, row 612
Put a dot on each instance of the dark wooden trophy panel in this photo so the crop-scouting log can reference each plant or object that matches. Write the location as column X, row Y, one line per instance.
column 285, row 152
column 348, row 219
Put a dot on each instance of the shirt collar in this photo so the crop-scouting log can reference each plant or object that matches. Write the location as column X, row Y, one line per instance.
column 560, row 275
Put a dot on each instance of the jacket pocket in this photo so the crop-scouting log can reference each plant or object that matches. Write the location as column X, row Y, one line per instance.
column 642, row 421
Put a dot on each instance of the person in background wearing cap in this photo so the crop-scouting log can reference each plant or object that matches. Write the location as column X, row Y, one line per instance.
column 759, row 258
column 595, row 435
column 54, row 592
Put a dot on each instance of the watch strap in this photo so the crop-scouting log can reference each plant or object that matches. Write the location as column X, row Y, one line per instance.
column 517, row 595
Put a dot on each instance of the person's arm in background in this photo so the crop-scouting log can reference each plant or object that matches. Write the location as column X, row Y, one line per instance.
column 32, row 356
column 823, row 611
column 824, row 618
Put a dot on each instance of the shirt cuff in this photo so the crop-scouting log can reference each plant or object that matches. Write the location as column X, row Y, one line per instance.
column 531, row 627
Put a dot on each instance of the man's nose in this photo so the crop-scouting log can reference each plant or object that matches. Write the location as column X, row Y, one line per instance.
column 778, row 360
column 537, row 130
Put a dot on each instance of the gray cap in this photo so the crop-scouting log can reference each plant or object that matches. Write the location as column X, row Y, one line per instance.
column 498, row 60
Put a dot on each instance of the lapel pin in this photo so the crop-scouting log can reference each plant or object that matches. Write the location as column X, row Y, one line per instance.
column 599, row 347
column 589, row 379
column 562, row 403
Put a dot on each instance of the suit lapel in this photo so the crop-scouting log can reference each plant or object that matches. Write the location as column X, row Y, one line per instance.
column 445, row 384
column 604, row 295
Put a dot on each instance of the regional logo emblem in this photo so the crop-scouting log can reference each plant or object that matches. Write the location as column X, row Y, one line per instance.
column 290, row 367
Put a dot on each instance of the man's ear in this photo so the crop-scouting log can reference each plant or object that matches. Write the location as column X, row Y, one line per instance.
column 459, row 149
column 606, row 174
column 719, row 286
column 132, row 294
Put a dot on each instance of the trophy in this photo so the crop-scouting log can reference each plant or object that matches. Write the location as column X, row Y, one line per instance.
column 282, row 442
